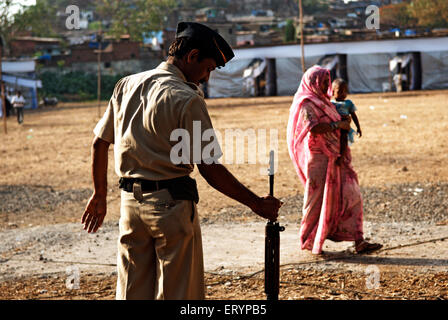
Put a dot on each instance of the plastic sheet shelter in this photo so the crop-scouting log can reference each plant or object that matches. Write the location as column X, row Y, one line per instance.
column 367, row 64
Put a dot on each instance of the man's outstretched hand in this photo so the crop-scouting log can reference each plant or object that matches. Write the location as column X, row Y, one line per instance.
column 94, row 213
column 267, row 207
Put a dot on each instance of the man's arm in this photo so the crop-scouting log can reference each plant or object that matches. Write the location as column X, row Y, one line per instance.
column 222, row 180
column 96, row 207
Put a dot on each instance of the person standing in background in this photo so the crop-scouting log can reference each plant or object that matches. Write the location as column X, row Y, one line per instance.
column 18, row 103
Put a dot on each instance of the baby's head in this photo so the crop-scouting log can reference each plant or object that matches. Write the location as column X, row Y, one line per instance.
column 340, row 89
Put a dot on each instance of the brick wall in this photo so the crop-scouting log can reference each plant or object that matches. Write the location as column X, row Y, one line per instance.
column 21, row 48
column 28, row 47
column 119, row 51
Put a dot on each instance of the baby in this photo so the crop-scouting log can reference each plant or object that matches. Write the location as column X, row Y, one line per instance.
column 345, row 108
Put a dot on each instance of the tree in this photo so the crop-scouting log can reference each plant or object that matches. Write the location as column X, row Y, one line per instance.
column 313, row 6
column 397, row 15
column 430, row 13
column 39, row 19
column 290, row 31
column 196, row 4
column 6, row 22
column 134, row 17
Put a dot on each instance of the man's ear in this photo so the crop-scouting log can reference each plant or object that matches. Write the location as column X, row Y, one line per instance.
column 192, row 55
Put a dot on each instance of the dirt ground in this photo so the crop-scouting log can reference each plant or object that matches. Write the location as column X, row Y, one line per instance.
column 295, row 285
column 401, row 159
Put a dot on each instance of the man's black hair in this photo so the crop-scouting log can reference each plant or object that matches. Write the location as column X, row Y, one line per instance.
column 183, row 45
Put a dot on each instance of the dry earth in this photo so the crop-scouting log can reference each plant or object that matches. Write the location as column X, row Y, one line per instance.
column 401, row 163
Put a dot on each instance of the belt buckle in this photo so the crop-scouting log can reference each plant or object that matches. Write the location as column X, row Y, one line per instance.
column 137, row 190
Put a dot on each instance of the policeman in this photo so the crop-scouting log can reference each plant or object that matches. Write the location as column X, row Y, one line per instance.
column 156, row 119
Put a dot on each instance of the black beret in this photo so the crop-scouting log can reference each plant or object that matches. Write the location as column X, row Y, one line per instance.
column 221, row 49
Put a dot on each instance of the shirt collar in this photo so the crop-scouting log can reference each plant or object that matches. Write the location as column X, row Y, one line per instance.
column 172, row 69
column 178, row 73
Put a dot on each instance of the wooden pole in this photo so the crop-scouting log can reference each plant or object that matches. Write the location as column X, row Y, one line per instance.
column 302, row 46
column 3, row 89
column 99, row 39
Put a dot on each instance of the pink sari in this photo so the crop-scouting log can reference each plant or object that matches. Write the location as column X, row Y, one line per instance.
column 332, row 207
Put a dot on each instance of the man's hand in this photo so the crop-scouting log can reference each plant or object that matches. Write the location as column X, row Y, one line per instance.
column 96, row 207
column 359, row 132
column 94, row 213
column 267, row 207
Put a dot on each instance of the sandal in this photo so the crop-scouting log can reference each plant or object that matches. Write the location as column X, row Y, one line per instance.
column 366, row 247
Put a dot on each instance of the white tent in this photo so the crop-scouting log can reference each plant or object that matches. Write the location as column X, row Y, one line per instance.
column 348, row 47
column 435, row 70
column 14, row 74
column 368, row 72
column 367, row 64
column 22, row 82
column 20, row 66
column 228, row 81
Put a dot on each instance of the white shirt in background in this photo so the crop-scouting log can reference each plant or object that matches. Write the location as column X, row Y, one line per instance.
column 18, row 102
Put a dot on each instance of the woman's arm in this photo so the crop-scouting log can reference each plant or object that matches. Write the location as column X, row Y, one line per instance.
column 311, row 119
column 328, row 127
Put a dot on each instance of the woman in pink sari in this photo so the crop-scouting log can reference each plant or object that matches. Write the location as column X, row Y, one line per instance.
column 332, row 207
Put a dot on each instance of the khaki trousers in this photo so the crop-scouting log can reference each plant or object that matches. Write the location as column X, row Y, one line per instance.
column 159, row 249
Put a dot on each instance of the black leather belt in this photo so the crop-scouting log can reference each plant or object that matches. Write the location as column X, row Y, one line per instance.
column 147, row 185
column 182, row 188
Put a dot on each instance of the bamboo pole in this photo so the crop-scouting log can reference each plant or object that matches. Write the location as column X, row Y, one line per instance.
column 302, row 46
column 99, row 39
column 2, row 84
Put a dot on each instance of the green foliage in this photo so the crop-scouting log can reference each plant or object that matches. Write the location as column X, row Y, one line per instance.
column 199, row 4
column 313, row 6
column 38, row 18
column 222, row 3
column 135, row 17
column 7, row 26
column 76, row 86
column 196, row 4
column 429, row 13
column 95, row 25
column 290, row 31
column 37, row 54
column 424, row 13
column 396, row 15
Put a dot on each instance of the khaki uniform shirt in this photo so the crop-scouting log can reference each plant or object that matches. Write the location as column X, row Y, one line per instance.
column 142, row 114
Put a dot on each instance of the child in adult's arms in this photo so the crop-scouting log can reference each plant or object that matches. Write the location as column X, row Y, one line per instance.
column 346, row 109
